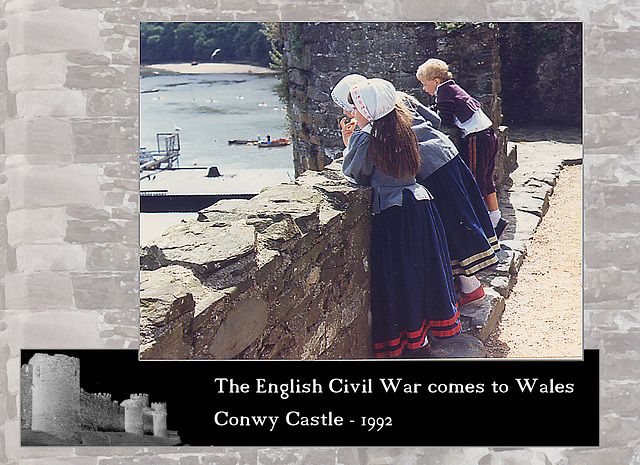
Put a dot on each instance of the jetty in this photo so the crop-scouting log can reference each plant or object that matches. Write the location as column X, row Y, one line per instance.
column 165, row 157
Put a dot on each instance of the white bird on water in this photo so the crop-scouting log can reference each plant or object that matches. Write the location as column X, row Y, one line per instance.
column 177, row 128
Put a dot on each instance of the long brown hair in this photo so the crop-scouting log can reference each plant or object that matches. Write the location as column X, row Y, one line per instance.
column 393, row 145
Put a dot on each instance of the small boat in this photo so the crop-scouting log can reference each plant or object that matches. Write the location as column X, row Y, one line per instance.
column 274, row 143
column 243, row 142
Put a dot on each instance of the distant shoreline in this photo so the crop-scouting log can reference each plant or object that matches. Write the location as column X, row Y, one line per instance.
column 210, row 68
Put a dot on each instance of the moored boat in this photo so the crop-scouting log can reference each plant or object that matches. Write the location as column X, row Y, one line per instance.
column 274, row 143
column 243, row 142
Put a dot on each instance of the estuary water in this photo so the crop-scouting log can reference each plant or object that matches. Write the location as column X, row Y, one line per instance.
column 209, row 110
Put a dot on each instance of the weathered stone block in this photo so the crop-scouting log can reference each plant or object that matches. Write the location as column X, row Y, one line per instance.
column 526, row 224
column 166, row 311
column 54, row 103
column 110, row 290
column 53, row 329
column 113, row 257
column 287, row 200
column 241, row 326
column 461, row 346
column 268, row 262
column 114, row 102
column 44, row 141
column 24, row 72
column 202, row 247
column 281, row 235
column 105, row 139
column 482, row 317
column 38, row 291
column 26, row 226
column 64, row 257
column 55, row 30
column 40, row 186
column 218, row 218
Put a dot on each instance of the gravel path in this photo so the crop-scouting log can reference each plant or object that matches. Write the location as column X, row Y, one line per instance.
column 543, row 315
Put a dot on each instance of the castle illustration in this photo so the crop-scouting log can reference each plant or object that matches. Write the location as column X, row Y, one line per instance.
column 53, row 402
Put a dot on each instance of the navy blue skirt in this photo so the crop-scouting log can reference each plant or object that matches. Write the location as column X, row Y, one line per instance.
column 411, row 280
column 471, row 239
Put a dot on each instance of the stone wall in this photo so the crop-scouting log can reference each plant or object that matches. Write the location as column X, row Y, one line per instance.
column 542, row 72
column 318, row 55
column 99, row 413
column 534, row 69
column 472, row 53
column 283, row 275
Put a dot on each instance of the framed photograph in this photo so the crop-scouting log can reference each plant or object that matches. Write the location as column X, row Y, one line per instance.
column 256, row 243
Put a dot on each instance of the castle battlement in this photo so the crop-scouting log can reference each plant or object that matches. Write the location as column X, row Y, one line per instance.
column 159, row 407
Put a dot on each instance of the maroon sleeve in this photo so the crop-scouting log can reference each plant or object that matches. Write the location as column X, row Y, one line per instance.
column 445, row 105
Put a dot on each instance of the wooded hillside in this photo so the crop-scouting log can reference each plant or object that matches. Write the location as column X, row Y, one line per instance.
column 186, row 42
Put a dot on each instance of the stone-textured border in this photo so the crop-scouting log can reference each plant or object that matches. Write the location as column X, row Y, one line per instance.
column 68, row 172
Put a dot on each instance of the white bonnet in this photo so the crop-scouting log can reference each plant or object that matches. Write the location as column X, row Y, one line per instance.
column 340, row 92
column 374, row 98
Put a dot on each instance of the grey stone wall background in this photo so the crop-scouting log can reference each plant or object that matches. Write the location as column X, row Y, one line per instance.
column 68, row 203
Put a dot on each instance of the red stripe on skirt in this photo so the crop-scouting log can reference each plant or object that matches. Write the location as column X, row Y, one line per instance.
column 448, row 332
column 403, row 335
column 404, row 342
column 448, row 322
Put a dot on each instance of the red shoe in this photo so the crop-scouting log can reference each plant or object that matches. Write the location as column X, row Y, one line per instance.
column 474, row 296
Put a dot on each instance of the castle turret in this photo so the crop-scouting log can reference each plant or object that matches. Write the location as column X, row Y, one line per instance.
column 55, row 394
column 159, row 419
column 133, row 418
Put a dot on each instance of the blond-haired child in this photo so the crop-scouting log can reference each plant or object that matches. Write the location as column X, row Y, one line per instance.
column 479, row 142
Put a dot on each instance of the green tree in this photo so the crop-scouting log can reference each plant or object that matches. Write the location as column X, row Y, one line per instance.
column 185, row 38
column 185, row 42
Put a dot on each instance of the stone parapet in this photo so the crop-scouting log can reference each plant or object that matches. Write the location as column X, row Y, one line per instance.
column 283, row 275
column 98, row 412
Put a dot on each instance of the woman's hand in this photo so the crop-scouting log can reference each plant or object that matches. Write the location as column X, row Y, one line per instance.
column 347, row 128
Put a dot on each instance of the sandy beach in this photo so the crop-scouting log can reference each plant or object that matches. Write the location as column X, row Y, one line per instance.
column 211, row 68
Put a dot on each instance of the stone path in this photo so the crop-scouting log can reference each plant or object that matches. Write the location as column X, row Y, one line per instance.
column 524, row 200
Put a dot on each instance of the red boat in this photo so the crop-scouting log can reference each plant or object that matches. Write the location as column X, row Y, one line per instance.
column 274, row 143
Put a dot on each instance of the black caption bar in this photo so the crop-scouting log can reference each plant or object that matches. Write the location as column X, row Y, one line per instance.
column 551, row 403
